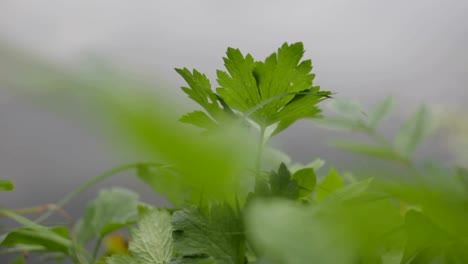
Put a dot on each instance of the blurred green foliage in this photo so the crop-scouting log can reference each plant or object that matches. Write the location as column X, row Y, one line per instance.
column 229, row 205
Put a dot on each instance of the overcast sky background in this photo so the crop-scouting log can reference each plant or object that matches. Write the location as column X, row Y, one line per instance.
column 365, row 50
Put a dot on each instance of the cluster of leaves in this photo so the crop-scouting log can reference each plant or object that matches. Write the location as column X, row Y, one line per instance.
column 228, row 208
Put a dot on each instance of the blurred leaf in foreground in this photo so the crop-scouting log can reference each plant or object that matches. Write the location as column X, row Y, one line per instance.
column 132, row 113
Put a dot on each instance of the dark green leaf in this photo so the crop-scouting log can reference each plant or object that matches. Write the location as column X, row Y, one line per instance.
column 306, row 180
column 211, row 235
column 282, row 184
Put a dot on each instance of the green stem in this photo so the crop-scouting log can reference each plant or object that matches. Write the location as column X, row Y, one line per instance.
column 260, row 150
column 97, row 247
column 90, row 183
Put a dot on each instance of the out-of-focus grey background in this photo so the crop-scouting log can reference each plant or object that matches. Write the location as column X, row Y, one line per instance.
column 414, row 50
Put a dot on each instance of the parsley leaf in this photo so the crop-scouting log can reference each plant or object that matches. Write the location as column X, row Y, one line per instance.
column 151, row 242
column 279, row 184
column 200, row 91
column 238, row 85
column 276, row 91
column 112, row 209
column 281, row 77
column 199, row 119
column 212, row 235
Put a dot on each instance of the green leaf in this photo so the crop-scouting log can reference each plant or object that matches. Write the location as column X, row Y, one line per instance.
column 121, row 259
column 6, row 185
column 283, row 72
column 151, row 242
column 192, row 261
column 351, row 190
column 380, row 111
column 375, row 151
column 272, row 87
column 282, row 185
column 210, row 167
column 210, row 235
column 279, row 184
column 424, row 238
column 164, row 180
column 199, row 119
column 131, row 113
column 238, row 86
column 301, row 106
column 286, row 232
column 200, row 91
column 316, row 164
column 33, row 234
column 55, row 239
column 306, row 180
column 413, row 131
column 111, row 210
column 329, row 184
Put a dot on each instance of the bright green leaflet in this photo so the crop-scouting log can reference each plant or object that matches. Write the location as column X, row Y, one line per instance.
column 151, row 242
column 330, row 183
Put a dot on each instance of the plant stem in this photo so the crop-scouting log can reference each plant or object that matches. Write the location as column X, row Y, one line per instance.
column 96, row 247
column 41, row 209
column 90, row 183
column 260, row 150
